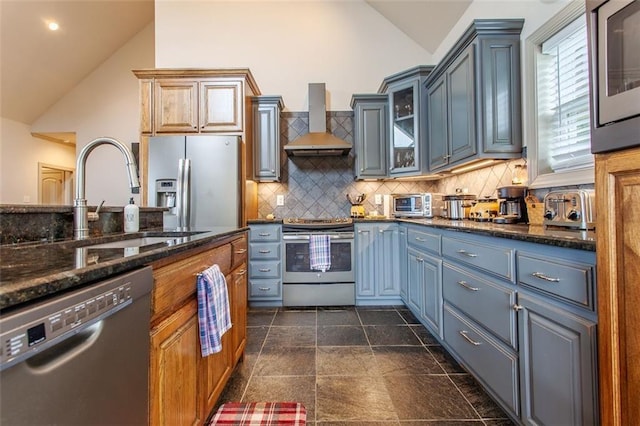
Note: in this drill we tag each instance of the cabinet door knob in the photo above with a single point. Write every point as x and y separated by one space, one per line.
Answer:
517 307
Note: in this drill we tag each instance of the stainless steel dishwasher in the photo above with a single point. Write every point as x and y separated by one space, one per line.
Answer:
79 358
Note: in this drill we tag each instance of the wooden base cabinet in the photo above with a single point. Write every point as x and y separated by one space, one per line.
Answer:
618 251
184 387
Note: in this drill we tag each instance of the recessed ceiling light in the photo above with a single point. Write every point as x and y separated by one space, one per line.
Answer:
53 26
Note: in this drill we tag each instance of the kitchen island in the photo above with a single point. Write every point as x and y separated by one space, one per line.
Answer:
37 271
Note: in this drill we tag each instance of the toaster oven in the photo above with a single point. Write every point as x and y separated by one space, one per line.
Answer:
570 209
427 204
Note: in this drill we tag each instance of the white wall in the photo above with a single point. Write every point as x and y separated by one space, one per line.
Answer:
287 44
20 154
105 103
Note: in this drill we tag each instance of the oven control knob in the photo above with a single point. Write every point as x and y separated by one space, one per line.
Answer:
573 215
549 214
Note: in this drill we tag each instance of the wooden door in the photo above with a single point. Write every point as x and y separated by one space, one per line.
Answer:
239 312
54 185
618 272
216 369
176 106
175 384
221 104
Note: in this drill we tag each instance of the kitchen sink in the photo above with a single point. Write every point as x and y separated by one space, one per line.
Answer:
134 242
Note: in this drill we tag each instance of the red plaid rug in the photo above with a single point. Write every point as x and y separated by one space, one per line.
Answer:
260 414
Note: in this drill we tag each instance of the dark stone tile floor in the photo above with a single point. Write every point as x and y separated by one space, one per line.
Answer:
357 366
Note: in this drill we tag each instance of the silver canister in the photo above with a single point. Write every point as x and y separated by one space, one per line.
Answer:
457 206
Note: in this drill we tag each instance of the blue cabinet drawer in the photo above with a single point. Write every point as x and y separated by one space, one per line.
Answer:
264 270
264 288
265 233
423 241
495 260
488 303
492 362
570 281
264 251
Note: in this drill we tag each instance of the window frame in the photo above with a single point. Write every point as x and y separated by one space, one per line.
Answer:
532 44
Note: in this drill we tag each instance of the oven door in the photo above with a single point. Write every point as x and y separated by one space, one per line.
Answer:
296 259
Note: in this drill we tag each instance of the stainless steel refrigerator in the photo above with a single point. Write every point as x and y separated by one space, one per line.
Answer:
198 178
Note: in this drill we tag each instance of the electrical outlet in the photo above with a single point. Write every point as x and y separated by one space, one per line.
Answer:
378 199
279 200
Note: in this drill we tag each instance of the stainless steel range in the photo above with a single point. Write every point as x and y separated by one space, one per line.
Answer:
302 286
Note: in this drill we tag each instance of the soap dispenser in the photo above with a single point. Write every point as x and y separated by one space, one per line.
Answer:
131 217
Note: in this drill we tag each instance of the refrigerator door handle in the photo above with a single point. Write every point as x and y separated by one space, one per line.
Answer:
183 199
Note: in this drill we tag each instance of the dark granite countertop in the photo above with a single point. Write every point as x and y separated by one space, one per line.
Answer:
559 237
30 271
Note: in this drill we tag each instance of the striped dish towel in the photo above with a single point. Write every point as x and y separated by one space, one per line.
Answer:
214 316
319 252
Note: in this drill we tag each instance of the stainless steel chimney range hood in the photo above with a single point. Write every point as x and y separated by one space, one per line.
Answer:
317 142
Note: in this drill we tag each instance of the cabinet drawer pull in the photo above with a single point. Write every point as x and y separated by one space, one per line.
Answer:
241 251
463 333
264 288
420 239
466 253
467 286
265 234
420 259
241 272
264 251
542 276
264 269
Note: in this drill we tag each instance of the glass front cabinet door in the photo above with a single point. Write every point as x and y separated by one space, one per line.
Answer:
407 153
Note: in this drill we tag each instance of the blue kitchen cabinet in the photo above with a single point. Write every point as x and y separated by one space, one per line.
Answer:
370 135
425 289
266 137
557 337
402 247
472 96
407 154
377 248
265 265
424 277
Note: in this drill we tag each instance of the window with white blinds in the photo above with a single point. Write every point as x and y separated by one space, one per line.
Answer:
562 86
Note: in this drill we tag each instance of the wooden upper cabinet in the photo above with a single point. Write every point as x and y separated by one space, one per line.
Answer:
176 106
221 106
184 101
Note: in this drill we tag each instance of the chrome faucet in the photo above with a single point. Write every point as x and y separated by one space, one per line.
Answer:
80 209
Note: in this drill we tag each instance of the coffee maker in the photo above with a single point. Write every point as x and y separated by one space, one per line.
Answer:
512 207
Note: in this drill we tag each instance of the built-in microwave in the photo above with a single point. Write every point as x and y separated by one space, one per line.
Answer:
614 37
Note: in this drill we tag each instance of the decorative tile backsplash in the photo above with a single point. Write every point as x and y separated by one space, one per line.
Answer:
316 187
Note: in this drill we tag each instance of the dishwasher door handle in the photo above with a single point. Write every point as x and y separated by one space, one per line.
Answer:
67 348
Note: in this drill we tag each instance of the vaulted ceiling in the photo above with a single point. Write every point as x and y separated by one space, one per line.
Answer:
38 67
